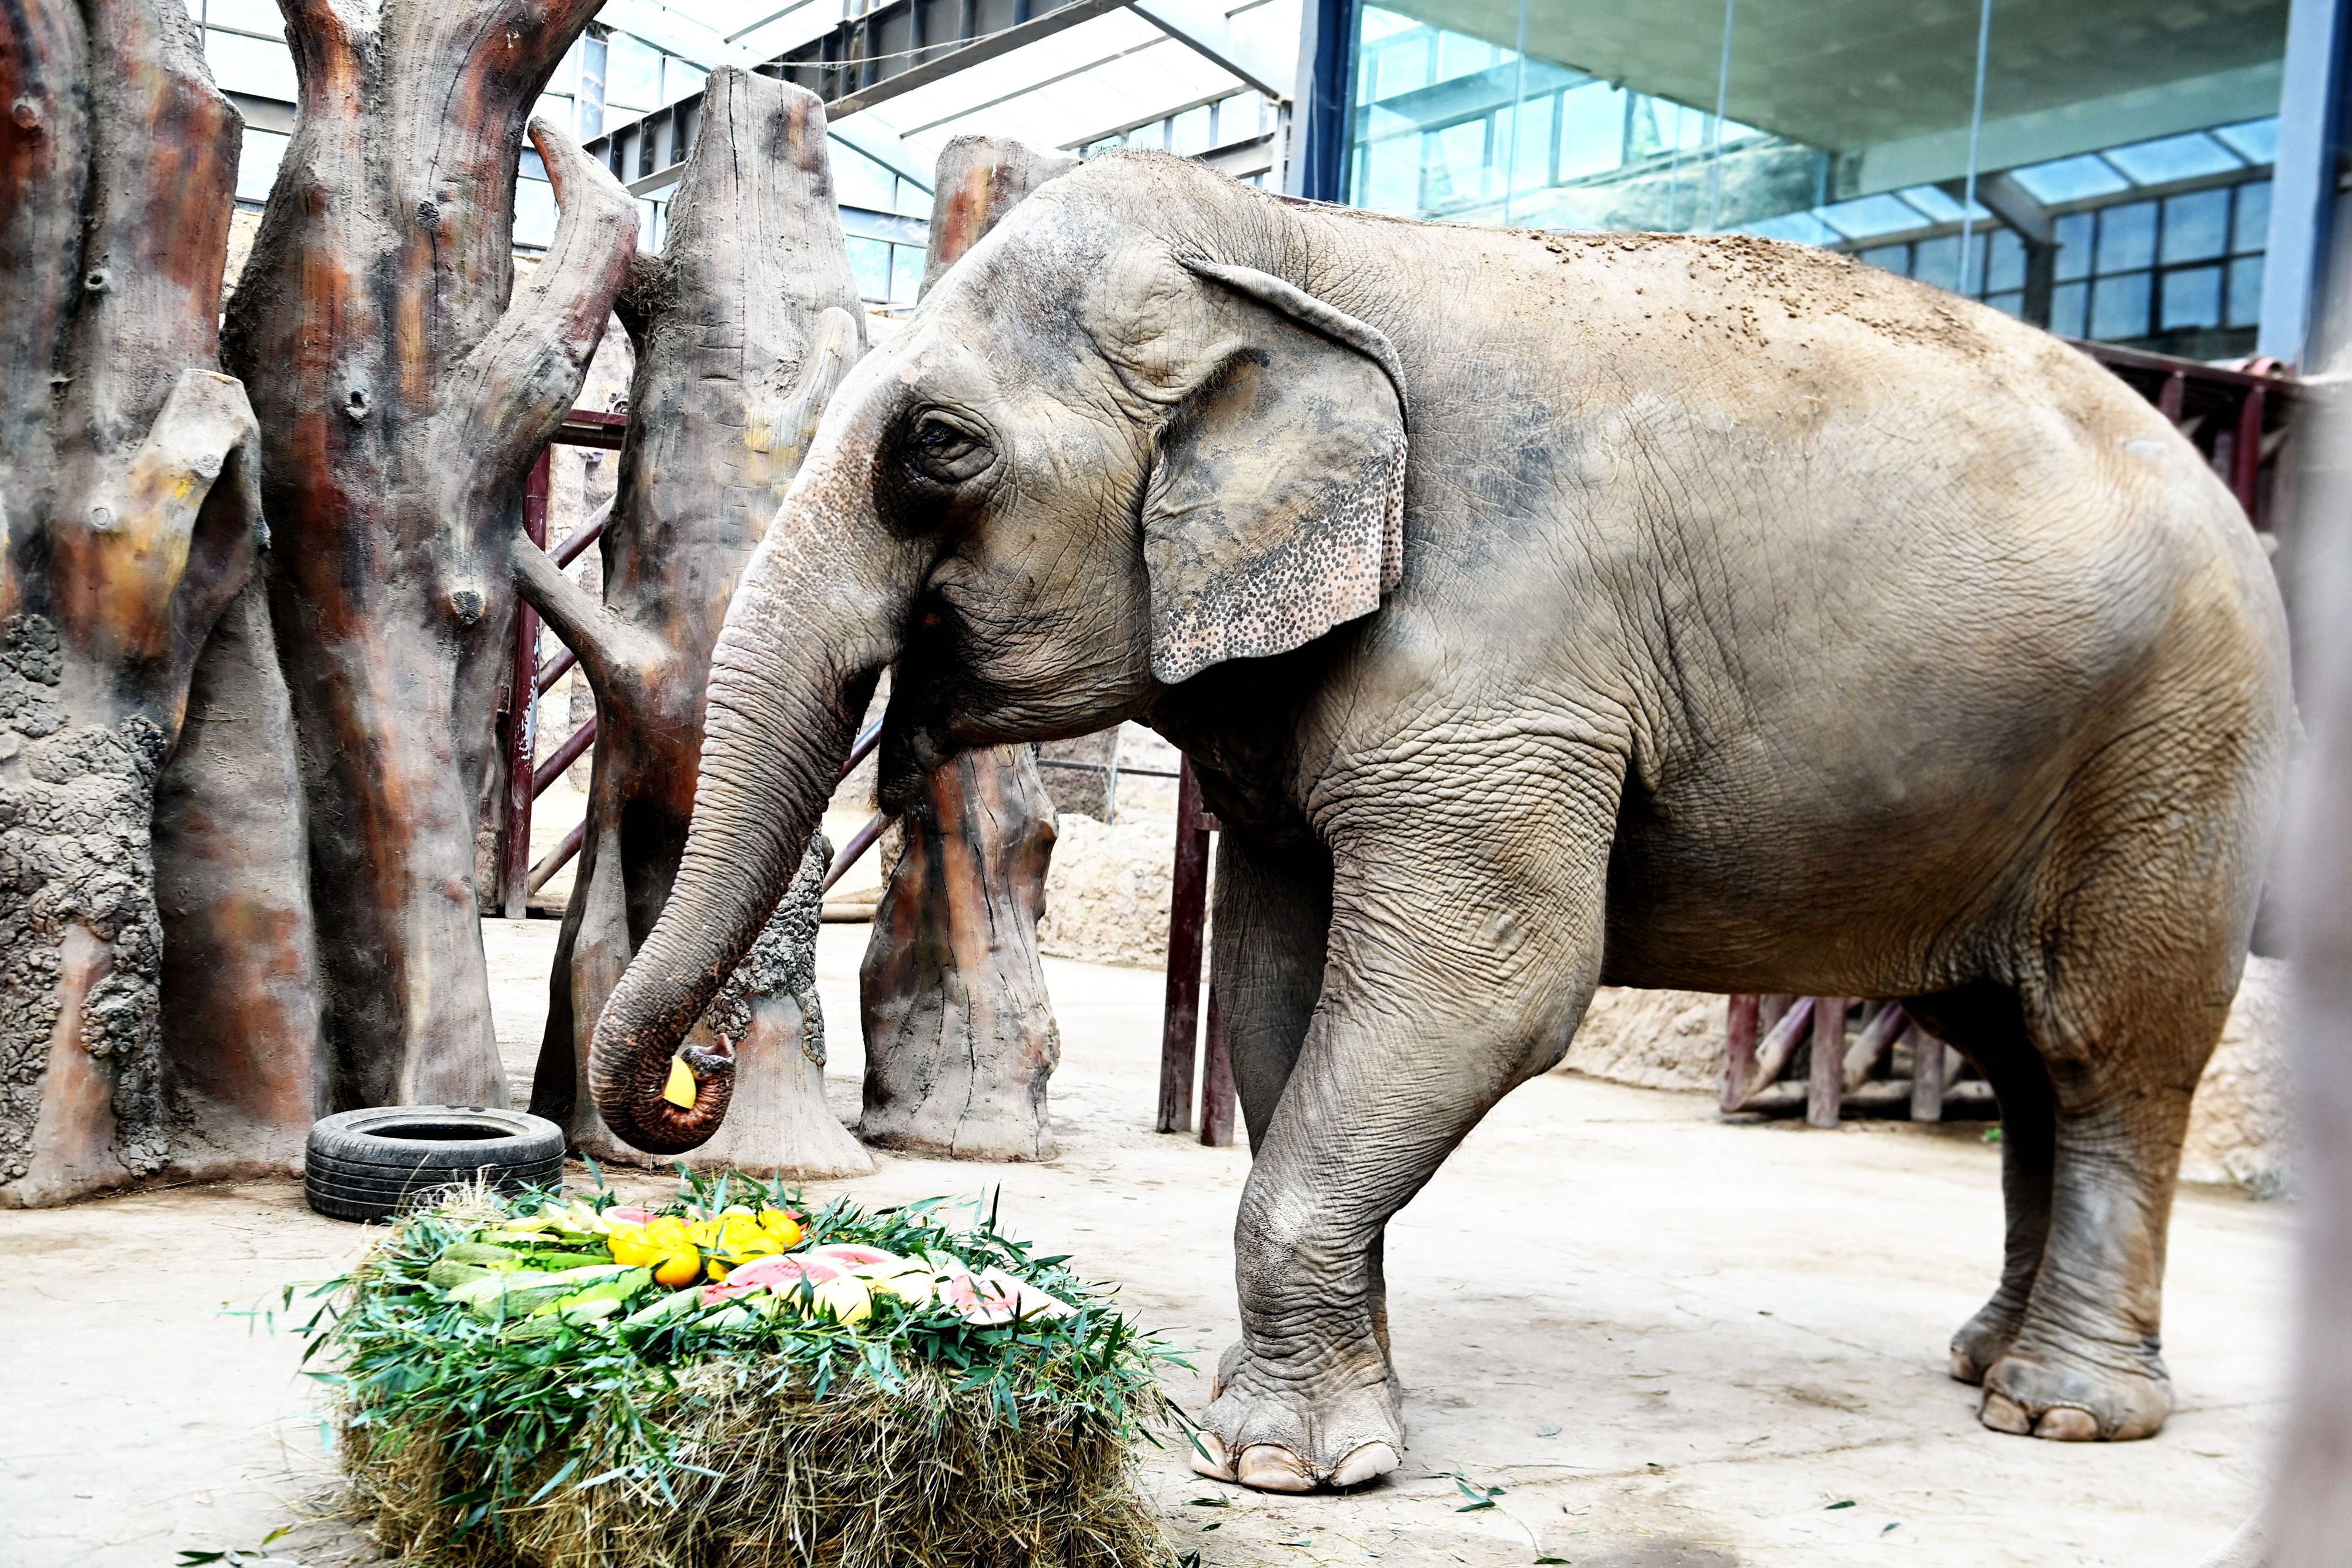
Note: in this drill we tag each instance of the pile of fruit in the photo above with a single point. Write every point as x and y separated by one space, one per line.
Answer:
527 1382
568 1264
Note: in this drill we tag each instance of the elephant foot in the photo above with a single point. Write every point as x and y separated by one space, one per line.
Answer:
2070 1401
1276 1433
1984 1339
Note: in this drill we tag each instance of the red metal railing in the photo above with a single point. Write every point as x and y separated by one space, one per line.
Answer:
526 778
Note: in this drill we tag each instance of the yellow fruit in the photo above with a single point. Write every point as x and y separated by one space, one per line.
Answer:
783 1227
715 1271
629 1244
678 1269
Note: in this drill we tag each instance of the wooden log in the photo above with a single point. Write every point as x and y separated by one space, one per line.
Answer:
1928 1064
129 520
1738 1049
742 326
405 385
960 1036
1878 1036
1773 1055
1825 1081
970 882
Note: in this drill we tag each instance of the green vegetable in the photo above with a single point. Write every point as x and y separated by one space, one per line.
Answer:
481 1255
618 1289
516 1294
447 1273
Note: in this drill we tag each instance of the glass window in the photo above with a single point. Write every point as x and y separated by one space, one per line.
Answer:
2191 298
534 222
2066 308
1938 261
2250 229
2196 226
246 16
870 260
2070 180
254 66
257 163
1854 126
1592 130
906 273
2004 261
2120 305
859 181
2256 141
1189 133
1531 161
2074 232
680 79
631 73
2174 158
2007 304
2246 292
2127 236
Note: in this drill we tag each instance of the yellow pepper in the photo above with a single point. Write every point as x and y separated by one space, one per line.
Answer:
632 1245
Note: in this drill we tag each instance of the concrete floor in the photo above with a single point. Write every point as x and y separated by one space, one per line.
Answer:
1671 1342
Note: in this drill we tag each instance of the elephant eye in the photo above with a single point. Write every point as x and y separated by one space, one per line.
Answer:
947 450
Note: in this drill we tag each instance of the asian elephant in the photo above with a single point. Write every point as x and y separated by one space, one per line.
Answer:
1542 611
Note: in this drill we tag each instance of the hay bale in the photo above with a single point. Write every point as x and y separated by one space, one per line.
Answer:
769 1474
712 1428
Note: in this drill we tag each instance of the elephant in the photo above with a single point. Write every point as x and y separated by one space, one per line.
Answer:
1540 611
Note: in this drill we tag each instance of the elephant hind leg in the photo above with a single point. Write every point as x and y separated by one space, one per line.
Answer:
1986 1023
2126 977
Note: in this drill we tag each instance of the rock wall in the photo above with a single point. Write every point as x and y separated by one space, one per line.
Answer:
1107 892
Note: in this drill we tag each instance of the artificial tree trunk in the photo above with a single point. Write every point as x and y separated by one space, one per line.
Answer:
960 1033
129 516
743 326
402 398
244 1058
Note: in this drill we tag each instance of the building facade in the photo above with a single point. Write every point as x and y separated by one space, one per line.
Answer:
2158 175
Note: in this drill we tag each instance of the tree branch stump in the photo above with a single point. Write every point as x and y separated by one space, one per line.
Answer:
129 517
403 394
743 326
960 1032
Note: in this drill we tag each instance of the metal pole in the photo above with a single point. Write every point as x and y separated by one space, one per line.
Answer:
1187 911
1217 1080
523 713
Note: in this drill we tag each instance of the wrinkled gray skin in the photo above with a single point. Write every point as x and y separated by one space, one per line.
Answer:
1764 623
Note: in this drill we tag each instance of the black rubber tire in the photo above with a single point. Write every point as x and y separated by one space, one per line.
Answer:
369 1164
392 1186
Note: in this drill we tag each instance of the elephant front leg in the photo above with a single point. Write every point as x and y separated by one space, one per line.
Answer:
1447 984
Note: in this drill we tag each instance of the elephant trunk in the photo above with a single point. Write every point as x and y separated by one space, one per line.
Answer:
793 669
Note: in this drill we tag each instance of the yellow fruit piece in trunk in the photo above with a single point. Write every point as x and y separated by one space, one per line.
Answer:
680 1090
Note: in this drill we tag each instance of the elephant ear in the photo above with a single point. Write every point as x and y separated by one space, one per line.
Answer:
1274 510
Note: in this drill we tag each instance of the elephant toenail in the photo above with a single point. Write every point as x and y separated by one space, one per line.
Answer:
1964 1370
1370 1460
1209 1457
2065 1424
1269 1467
2003 1413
